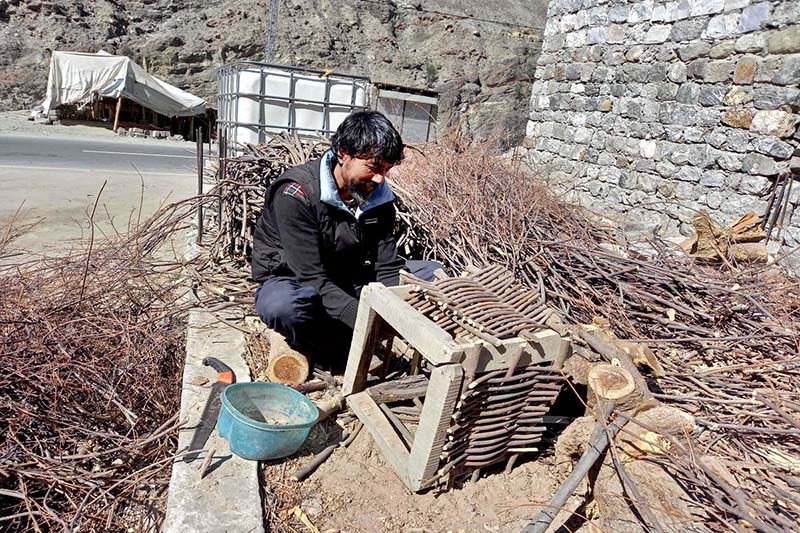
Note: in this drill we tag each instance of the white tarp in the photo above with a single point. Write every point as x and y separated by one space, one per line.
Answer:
74 76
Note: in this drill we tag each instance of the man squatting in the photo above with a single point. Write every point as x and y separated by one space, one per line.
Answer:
326 231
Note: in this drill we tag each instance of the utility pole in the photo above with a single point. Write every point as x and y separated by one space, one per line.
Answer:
272 24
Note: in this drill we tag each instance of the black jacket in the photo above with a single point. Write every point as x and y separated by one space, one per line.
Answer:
323 246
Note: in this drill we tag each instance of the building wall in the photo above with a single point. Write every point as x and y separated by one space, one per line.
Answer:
659 108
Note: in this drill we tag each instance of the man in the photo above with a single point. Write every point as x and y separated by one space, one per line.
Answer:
326 231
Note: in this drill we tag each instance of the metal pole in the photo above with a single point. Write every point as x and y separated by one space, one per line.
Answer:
200 185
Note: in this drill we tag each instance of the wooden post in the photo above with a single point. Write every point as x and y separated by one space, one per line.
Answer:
200 161
116 115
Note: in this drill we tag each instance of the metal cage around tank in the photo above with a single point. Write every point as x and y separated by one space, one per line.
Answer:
257 99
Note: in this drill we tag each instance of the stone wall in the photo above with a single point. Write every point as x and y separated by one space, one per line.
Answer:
656 109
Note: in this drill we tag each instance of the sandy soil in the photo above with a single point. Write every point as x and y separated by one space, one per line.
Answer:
356 490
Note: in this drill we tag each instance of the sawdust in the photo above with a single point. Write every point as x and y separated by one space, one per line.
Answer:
356 490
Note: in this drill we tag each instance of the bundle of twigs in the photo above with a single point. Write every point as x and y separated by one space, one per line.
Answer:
241 186
91 352
728 340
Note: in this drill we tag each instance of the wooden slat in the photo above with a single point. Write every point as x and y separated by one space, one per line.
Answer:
548 346
393 448
362 347
440 401
434 343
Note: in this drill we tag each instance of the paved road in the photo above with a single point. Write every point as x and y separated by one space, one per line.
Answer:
57 179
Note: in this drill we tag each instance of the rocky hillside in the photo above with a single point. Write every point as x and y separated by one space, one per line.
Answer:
480 59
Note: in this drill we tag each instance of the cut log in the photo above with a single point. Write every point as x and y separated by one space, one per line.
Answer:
285 365
610 382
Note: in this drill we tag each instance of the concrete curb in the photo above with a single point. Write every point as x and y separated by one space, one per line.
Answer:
227 499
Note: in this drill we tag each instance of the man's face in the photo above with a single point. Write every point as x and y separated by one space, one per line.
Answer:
359 176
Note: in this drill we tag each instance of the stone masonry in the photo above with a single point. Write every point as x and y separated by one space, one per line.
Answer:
655 109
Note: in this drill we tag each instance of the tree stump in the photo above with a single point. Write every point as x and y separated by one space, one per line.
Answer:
286 365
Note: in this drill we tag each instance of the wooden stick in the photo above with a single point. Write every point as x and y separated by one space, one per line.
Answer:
116 115
201 472
309 468
594 450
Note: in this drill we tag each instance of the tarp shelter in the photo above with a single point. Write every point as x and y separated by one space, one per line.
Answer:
75 76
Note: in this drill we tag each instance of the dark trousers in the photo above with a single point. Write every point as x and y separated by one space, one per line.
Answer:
297 313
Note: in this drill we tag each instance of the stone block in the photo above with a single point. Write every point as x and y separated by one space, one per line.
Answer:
752 43
773 147
688 93
687 30
679 155
696 68
659 13
618 13
712 95
648 183
648 148
737 118
730 162
733 180
775 122
721 50
737 96
784 13
745 71
770 66
715 138
757 164
658 33
772 97
753 184
706 7
576 38
615 34
684 190
640 11
606 159
714 199
738 141
717 71
667 189
754 17
627 180
665 169
605 105
789 72
678 10
596 34
786 41
722 26
713 179
583 135
666 91
677 72
731 5
702 155
693 51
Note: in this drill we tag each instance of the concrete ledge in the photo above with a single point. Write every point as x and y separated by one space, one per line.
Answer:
227 499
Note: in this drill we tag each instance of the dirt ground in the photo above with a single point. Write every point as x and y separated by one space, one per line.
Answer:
356 490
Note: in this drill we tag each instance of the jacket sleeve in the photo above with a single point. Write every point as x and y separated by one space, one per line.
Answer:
387 262
300 240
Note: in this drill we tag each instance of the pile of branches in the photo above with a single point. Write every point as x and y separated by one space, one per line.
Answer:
91 356
726 337
240 189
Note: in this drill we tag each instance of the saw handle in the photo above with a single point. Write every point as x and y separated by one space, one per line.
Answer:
224 372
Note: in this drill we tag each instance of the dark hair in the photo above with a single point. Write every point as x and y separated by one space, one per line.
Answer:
368 134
